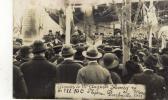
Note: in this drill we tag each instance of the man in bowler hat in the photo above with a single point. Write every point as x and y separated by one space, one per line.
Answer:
67 70
110 62
39 74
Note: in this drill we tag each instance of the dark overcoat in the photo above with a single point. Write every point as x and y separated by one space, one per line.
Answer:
19 85
67 71
155 84
40 76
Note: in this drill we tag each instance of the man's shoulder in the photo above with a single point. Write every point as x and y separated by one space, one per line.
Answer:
72 63
31 63
114 74
159 77
53 66
139 75
78 65
82 69
25 64
104 69
16 69
101 69
17 63
50 64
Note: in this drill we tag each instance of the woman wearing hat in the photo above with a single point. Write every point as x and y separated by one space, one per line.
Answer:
93 73
110 61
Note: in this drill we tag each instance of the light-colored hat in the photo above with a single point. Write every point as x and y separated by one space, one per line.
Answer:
92 53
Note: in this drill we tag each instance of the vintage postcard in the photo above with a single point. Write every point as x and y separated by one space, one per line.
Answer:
90 49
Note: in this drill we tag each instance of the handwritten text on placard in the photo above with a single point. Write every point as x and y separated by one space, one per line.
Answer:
97 91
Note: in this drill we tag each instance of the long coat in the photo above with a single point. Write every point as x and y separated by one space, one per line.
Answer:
115 77
164 73
67 71
19 85
40 76
155 84
93 73
21 61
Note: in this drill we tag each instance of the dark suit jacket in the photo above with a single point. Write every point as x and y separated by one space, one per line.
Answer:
40 76
115 77
18 63
155 84
67 71
19 85
164 73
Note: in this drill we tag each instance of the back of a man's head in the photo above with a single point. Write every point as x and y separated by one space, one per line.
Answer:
67 51
38 47
151 62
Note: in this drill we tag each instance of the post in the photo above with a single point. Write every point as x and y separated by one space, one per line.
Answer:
88 22
126 30
150 37
68 25
69 16
152 21
163 41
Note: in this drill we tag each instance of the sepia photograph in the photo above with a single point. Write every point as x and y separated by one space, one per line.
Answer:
90 49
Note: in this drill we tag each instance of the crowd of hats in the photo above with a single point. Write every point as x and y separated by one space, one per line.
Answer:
81 50
65 50
111 40
106 55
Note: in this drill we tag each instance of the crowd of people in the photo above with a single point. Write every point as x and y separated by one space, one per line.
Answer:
37 68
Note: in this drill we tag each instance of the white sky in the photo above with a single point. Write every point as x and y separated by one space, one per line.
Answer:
59 3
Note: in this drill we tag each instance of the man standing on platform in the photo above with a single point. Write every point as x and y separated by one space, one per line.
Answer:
68 69
93 73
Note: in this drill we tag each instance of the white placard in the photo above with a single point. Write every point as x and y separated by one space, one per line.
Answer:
100 91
